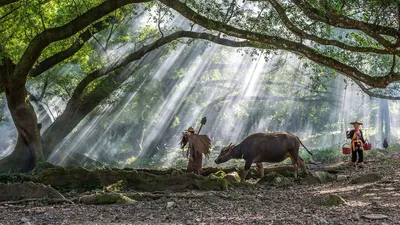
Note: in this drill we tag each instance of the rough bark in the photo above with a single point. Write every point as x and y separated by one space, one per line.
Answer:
28 150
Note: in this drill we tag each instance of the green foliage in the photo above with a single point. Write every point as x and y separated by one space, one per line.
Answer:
15 178
107 199
176 122
394 147
327 155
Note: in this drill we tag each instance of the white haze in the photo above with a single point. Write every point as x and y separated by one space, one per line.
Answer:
246 82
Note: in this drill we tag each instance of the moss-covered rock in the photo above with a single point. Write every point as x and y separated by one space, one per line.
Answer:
233 177
367 178
10 178
341 177
317 177
106 198
141 197
274 179
218 175
25 190
215 181
322 176
74 178
121 185
335 200
43 166
118 180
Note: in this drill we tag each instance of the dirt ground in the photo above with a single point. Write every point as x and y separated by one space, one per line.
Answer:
256 204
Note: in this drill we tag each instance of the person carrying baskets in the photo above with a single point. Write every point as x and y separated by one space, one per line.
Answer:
357 141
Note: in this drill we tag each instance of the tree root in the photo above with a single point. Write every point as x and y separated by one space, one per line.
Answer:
48 200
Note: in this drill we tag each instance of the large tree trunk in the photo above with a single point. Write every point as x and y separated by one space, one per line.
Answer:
79 106
60 128
76 110
28 150
385 119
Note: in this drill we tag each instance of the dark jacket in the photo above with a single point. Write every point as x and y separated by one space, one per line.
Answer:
351 133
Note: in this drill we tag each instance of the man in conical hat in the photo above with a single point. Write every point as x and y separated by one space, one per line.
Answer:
357 141
198 145
191 131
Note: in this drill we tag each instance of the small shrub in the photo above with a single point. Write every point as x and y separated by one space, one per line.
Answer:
324 155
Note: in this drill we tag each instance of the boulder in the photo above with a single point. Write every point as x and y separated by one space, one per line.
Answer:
274 179
106 198
335 200
341 177
367 178
18 191
233 177
318 177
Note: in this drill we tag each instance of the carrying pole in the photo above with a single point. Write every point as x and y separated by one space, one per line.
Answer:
202 122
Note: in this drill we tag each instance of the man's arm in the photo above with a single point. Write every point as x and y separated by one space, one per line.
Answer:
350 134
362 137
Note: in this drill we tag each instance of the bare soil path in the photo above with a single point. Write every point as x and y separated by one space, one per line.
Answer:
256 204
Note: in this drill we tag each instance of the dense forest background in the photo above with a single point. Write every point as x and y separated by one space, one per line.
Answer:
135 115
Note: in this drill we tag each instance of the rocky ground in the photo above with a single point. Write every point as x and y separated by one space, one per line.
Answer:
376 202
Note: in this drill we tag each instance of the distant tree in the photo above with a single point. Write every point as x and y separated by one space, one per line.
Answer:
359 39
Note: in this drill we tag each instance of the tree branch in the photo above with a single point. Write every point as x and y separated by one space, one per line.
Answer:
42 40
331 18
393 64
148 48
301 33
281 43
373 94
7 2
371 30
63 55
341 21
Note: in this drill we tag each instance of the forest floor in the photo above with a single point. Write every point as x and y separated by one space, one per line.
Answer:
252 204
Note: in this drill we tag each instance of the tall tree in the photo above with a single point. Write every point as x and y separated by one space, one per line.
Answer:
37 35
28 150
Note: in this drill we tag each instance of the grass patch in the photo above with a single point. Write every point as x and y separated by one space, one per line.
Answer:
324 155
394 147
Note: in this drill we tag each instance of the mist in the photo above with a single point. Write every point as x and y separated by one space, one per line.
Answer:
240 91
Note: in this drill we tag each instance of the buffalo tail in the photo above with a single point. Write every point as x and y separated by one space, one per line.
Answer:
304 146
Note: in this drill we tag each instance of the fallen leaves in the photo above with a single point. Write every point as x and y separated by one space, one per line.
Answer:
367 203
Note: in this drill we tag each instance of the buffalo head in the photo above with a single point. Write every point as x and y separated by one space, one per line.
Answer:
225 154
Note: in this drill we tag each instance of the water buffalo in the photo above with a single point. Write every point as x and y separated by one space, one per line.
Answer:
265 147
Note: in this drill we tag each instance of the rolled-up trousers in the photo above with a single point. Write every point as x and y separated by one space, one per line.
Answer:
360 154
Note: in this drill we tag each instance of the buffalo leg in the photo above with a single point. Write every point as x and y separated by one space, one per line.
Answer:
260 169
303 165
246 169
295 165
